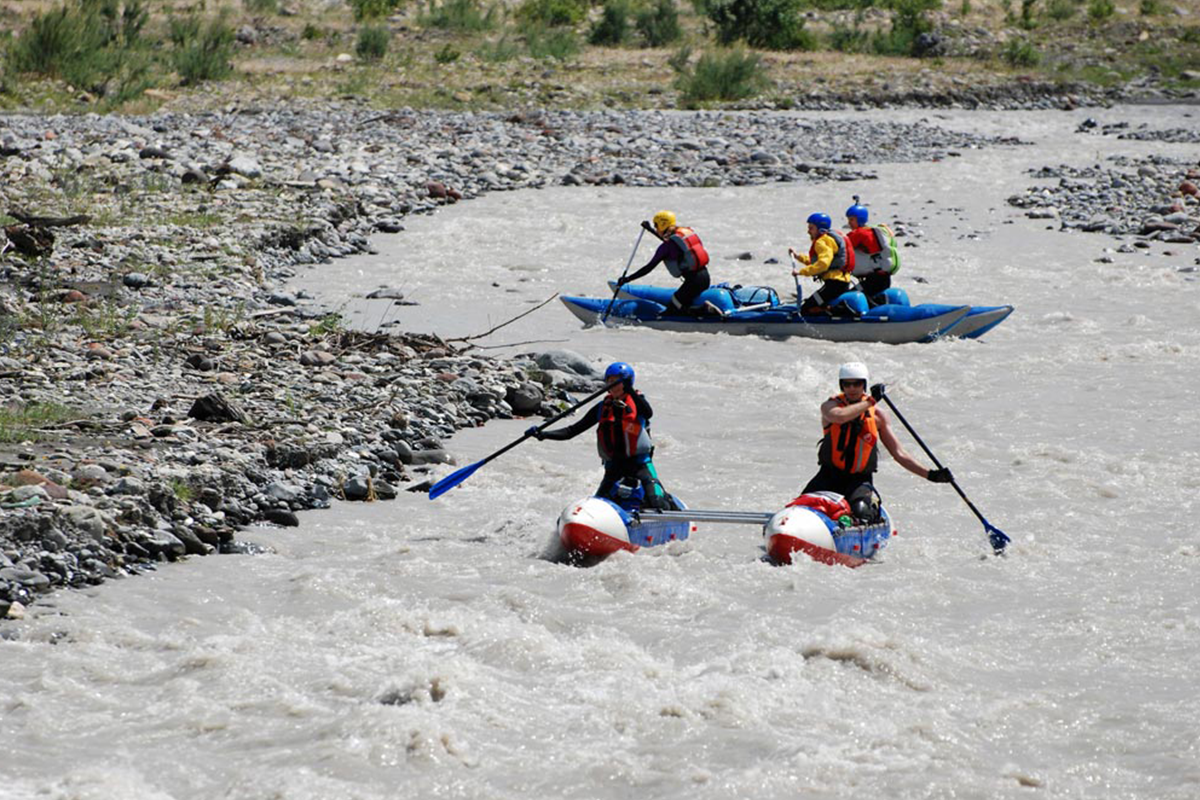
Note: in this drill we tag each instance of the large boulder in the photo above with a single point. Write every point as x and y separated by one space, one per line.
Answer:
566 361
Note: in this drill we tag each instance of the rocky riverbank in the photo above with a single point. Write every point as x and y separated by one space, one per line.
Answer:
160 389
1152 199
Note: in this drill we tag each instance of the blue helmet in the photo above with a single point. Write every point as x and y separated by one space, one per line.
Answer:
621 371
821 220
858 212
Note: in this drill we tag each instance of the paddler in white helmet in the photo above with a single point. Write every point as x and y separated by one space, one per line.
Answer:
853 429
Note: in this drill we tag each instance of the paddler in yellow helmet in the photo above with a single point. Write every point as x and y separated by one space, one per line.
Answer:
685 258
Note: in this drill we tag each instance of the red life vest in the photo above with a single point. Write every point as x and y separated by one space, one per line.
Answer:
878 244
695 257
843 259
621 433
831 504
851 447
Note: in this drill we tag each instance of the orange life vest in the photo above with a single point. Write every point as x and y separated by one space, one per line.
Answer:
622 433
851 447
695 257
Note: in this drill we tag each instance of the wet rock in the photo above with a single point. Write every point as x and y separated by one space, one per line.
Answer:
525 399
215 407
566 361
436 456
29 578
282 517
358 488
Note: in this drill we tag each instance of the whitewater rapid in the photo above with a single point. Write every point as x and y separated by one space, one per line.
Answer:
426 649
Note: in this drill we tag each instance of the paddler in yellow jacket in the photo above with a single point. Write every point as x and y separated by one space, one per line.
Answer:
829 259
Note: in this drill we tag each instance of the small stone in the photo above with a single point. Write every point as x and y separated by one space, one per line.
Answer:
317 358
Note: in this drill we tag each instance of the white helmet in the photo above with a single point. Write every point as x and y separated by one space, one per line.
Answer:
854 371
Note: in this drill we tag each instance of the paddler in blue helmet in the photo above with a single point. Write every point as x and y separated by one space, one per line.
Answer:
853 428
829 259
622 421
685 257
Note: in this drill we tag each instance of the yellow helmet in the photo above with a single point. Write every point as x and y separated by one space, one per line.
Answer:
664 220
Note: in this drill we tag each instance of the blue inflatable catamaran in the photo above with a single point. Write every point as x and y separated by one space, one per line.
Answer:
757 310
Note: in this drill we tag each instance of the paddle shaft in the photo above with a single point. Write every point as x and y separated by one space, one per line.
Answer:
550 421
934 459
628 264
458 476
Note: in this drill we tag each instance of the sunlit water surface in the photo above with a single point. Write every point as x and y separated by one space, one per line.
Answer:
424 649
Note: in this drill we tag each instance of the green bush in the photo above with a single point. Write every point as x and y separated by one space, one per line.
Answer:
447 54
461 15
373 9
203 48
1028 18
909 21
373 41
558 43
659 24
613 26
93 44
771 24
1151 8
849 40
1061 10
262 6
1100 10
310 33
1020 53
498 51
722 75
552 13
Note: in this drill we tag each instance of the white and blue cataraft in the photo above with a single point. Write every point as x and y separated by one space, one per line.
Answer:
817 526
596 527
756 310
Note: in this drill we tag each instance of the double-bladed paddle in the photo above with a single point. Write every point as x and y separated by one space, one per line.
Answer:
996 536
458 476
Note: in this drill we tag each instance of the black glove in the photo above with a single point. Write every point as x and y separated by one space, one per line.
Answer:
941 475
534 431
877 391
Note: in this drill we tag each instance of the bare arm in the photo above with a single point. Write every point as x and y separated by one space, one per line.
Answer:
831 412
888 437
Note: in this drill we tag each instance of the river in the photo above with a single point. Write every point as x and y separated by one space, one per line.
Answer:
426 649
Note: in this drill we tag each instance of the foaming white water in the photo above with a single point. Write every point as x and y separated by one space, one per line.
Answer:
417 649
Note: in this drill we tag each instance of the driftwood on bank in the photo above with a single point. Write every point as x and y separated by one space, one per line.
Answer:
34 221
32 237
